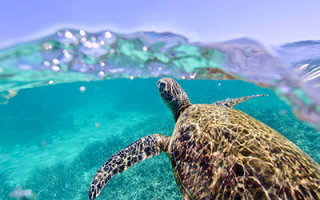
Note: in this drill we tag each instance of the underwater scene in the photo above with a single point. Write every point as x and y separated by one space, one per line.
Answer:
71 100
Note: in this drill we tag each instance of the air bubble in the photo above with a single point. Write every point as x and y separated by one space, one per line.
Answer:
101 73
82 88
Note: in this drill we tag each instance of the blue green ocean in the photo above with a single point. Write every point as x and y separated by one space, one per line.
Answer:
57 127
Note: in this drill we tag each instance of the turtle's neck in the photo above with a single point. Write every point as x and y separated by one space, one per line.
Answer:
180 110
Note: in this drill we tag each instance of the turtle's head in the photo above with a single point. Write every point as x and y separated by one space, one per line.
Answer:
173 96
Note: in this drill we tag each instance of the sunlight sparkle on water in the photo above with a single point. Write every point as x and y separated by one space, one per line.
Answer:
68 34
55 68
193 76
88 44
47 46
95 45
108 35
56 61
83 40
66 53
46 63
82 32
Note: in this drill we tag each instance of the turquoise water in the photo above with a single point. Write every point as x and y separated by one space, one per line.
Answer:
72 99
54 138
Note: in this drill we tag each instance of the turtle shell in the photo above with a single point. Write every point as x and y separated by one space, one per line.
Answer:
222 153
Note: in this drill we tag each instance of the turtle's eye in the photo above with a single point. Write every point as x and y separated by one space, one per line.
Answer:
162 86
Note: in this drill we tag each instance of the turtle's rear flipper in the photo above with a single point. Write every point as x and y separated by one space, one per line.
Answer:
232 102
140 150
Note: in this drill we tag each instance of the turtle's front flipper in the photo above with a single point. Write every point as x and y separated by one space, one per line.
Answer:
140 150
232 102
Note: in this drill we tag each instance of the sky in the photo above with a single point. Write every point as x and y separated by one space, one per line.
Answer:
269 21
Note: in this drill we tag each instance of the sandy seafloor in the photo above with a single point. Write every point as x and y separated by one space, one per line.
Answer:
54 138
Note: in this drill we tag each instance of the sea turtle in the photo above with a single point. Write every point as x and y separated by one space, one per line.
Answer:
218 152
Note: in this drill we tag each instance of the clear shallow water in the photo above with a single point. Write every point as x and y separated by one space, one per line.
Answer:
54 138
